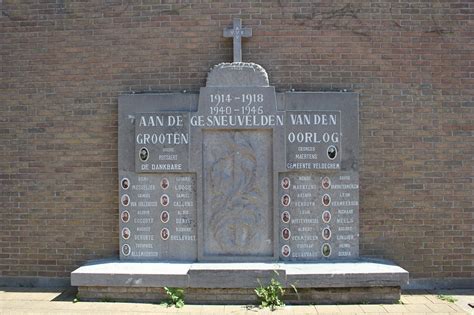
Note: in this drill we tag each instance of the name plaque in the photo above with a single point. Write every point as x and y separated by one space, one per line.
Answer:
317 215
158 215
312 140
162 142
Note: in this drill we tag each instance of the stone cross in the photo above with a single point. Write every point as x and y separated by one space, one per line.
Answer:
237 32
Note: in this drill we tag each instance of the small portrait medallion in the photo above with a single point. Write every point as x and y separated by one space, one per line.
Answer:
326 216
286 234
285 183
125 183
326 183
165 234
125 216
126 233
285 217
326 200
326 233
164 183
125 200
126 249
285 200
165 216
143 154
332 152
164 200
285 250
326 250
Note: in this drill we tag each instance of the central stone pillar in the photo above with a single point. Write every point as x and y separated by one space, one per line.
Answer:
237 163
237 193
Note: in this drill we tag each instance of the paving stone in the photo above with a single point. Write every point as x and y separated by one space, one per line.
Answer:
439 308
350 309
418 308
373 309
395 308
327 309
415 299
35 306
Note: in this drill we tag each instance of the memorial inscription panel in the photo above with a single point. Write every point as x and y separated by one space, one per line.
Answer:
238 173
312 139
317 215
158 216
162 142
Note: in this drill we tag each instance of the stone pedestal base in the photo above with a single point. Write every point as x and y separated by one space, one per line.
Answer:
359 281
244 296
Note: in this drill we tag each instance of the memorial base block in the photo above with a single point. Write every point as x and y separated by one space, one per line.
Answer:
244 296
357 281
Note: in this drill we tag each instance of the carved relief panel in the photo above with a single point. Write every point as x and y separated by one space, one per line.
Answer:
237 174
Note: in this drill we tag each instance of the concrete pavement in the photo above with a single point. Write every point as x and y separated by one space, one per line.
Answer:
61 301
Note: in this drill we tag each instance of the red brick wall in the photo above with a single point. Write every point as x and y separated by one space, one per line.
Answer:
64 63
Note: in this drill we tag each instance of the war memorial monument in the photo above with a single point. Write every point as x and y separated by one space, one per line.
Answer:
227 188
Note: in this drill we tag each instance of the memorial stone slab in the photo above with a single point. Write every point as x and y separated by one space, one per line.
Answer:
250 175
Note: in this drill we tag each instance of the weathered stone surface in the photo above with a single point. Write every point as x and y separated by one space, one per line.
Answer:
356 273
233 275
238 217
246 295
115 273
237 74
